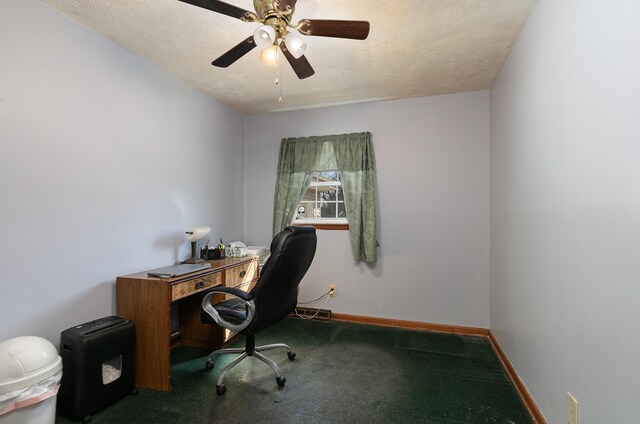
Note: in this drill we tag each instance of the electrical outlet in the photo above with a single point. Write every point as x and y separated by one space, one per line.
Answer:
332 290
572 409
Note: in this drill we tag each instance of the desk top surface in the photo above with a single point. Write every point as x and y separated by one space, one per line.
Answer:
216 265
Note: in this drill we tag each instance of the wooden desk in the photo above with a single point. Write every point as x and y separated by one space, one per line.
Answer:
147 302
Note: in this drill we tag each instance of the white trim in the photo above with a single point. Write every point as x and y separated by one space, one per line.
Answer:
320 221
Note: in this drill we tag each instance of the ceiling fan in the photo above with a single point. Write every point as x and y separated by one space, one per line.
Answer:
276 31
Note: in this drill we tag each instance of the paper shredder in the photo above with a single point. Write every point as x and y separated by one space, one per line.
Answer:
98 359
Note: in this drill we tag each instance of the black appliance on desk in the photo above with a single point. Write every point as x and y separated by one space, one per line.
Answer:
98 366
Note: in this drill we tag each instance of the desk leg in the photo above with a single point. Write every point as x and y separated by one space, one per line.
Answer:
147 305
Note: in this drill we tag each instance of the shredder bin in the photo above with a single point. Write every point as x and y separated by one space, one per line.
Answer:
99 363
30 373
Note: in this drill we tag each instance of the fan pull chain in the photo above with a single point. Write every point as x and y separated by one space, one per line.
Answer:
277 63
279 74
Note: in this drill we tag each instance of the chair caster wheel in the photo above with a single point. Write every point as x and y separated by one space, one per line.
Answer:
135 391
281 381
291 355
221 389
209 364
87 419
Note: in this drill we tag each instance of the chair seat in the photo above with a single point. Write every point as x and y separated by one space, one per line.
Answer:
232 310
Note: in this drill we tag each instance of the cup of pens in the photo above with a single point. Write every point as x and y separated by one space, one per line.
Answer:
211 253
221 249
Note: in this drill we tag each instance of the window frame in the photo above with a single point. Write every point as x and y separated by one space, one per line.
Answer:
324 223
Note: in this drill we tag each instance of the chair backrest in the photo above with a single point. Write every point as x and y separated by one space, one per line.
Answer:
276 292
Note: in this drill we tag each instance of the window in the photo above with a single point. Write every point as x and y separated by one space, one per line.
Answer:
322 204
344 173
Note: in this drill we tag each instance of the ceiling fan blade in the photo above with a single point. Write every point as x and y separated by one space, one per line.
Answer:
356 30
235 53
300 66
221 7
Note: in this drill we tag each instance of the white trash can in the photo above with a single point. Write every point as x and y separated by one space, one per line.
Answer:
30 373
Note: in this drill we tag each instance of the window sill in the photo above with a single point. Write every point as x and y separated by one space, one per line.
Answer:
324 226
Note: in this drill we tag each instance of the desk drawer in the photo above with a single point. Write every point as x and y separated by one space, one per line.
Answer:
201 283
240 276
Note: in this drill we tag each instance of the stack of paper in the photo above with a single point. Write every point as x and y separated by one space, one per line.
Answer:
257 250
261 251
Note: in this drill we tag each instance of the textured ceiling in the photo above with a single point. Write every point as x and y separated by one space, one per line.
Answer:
415 48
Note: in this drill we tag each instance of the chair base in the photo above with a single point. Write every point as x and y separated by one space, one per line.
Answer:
250 349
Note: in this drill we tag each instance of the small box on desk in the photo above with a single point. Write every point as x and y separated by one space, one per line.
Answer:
98 366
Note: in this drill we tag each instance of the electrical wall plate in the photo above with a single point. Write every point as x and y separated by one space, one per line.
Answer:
572 409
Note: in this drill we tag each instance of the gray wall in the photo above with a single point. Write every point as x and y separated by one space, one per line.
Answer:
432 172
104 162
565 208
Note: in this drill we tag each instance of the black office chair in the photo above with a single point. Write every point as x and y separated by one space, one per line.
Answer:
274 296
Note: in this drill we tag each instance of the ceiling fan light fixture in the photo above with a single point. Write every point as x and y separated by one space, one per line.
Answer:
269 55
264 36
295 44
275 18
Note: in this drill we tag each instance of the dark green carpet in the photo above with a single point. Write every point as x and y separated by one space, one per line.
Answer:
343 373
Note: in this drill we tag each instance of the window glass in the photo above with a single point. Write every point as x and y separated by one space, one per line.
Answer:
323 202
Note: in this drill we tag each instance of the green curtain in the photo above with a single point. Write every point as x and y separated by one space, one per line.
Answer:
352 155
